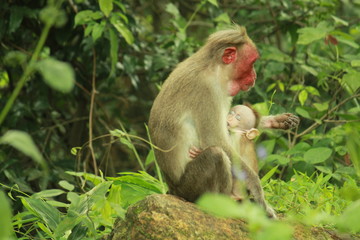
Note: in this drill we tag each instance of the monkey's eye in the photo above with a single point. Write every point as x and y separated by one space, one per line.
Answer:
238 117
232 112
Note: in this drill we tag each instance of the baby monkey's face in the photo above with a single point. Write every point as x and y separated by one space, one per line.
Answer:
241 117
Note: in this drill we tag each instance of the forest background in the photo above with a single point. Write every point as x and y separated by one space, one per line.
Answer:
78 78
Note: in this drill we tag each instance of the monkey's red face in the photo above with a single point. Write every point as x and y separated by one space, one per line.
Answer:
244 75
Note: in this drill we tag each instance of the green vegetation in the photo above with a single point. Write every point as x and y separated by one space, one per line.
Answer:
77 80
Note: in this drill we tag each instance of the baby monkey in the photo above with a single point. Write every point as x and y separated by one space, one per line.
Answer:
242 123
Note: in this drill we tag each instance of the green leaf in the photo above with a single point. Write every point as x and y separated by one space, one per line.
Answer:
106 6
127 143
96 180
352 80
301 147
142 179
58 75
213 2
5 219
78 232
302 112
66 185
297 87
324 169
278 159
4 79
16 17
86 16
224 17
48 193
309 70
57 204
321 106
23 142
97 31
268 175
150 158
172 9
15 58
340 21
47 213
53 16
312 90
273 53
317 155
348 42
309 34
303 95
122 29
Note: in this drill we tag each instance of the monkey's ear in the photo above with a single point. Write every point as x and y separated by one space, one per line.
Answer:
252 133
229 55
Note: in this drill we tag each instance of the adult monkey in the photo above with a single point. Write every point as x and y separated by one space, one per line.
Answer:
199 91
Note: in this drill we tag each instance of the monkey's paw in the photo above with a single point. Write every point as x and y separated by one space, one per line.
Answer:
281 121
271 212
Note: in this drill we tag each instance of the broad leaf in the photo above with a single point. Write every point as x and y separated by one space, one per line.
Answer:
317 155
303 112
122 29
309 34
87 16
58 75
23 142
310 70
106 6
97 31
321 106
303 95
213 2
352 80
66 185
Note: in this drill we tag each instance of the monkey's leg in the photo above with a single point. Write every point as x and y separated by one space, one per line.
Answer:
254 185
210 171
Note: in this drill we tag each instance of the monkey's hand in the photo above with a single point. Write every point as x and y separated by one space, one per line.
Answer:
194 151
281 121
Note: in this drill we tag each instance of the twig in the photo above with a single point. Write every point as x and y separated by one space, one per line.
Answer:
341 121
316 124
93 92
274 17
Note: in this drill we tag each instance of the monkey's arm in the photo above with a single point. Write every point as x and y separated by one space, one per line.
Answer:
281 121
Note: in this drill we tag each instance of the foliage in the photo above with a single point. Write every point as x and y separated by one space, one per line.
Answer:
74 71
82 215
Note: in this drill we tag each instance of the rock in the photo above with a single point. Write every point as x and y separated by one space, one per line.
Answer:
160 217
